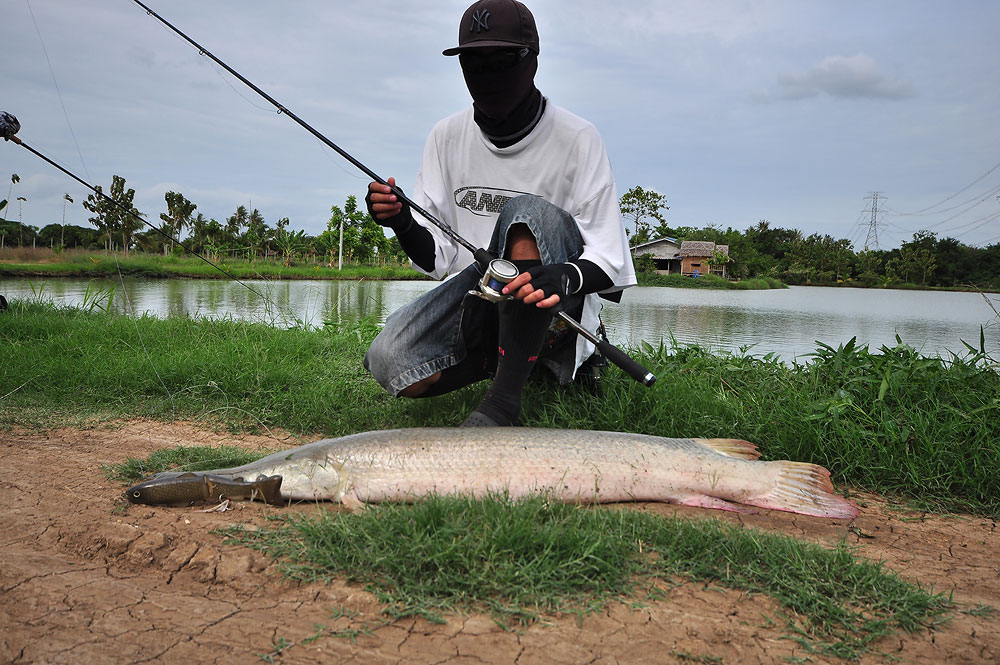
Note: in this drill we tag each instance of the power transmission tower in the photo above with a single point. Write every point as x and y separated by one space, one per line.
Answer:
872 239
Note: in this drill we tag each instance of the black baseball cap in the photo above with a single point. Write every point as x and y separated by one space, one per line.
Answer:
493 23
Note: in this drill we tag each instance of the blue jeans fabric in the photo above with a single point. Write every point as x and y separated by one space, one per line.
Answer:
434 332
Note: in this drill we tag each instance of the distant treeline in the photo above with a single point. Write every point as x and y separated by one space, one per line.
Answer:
794 258
760 251
351 234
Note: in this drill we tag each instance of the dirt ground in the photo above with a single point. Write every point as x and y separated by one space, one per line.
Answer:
85 579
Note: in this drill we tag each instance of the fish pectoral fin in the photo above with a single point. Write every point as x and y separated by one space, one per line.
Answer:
705 501
353 503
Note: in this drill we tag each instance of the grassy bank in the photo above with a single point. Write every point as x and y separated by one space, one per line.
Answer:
708 282
43 262
90 264
888 420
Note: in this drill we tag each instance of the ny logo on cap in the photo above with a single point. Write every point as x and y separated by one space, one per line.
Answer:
480 21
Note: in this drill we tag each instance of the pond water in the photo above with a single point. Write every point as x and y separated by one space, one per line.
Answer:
787 322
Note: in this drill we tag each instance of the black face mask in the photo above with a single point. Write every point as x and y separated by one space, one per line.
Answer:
503 91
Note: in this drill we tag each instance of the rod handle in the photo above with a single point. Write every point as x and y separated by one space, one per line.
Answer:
482 257
624 361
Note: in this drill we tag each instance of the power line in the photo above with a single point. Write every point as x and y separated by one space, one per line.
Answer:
978 198
945 200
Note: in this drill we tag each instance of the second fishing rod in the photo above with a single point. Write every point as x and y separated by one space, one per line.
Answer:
500 267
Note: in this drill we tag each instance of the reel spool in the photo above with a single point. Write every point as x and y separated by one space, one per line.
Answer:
9 126
499 273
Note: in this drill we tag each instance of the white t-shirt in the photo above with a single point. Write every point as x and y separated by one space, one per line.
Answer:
464 181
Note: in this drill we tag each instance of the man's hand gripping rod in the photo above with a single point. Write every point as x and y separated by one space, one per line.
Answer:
482 257
501 271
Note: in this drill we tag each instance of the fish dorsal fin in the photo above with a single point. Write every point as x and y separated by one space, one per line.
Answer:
187 474
737 448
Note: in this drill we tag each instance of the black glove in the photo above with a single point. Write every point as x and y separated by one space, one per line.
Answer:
400 222
563 279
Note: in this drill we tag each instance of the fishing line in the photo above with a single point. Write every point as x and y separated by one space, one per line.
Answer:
482 257
58 91
131 212
83 162
142 342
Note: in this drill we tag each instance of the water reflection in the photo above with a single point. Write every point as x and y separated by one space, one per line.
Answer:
785 322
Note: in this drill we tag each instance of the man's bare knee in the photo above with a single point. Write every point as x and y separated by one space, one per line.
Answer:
521 244
420 387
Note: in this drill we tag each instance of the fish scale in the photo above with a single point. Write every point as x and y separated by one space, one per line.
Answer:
579 466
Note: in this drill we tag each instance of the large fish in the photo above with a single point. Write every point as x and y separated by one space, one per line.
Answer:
576 466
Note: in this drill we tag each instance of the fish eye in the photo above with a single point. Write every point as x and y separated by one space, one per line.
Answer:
137 494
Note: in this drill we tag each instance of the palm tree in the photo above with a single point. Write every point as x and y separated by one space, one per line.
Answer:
178 216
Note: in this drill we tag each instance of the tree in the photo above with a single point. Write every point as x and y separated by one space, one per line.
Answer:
234 226
257 233
116 216
289 242
360 242
177 216
718 259
328 241
639 205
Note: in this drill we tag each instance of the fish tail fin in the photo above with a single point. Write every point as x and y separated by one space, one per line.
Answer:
737 448
806 489
270 489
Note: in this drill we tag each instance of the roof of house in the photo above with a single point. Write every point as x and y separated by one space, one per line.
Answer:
702 248
658 241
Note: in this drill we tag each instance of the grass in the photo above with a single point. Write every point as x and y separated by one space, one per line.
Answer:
27 262
180 458
708 282
889 421
524 560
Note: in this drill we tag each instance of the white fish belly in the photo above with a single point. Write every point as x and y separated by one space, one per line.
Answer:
566 465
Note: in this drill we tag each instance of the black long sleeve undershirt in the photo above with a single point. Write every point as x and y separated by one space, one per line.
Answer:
594 279
416 241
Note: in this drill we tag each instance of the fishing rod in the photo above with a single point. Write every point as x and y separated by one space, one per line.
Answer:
9 126
481 255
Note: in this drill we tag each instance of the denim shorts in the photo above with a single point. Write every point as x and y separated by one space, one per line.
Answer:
437 330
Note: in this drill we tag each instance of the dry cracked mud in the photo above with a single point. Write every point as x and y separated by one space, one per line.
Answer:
85 579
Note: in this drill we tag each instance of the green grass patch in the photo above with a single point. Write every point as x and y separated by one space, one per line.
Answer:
523 560
84 264
708 282
180 458
890 421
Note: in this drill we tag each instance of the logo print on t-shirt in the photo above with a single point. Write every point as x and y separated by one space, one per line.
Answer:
484 201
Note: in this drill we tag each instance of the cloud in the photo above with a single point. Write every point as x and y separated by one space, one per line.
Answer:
844 77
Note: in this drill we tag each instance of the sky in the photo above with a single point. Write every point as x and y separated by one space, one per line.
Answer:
789 111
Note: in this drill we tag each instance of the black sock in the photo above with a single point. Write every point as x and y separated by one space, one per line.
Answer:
522 333
474 368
